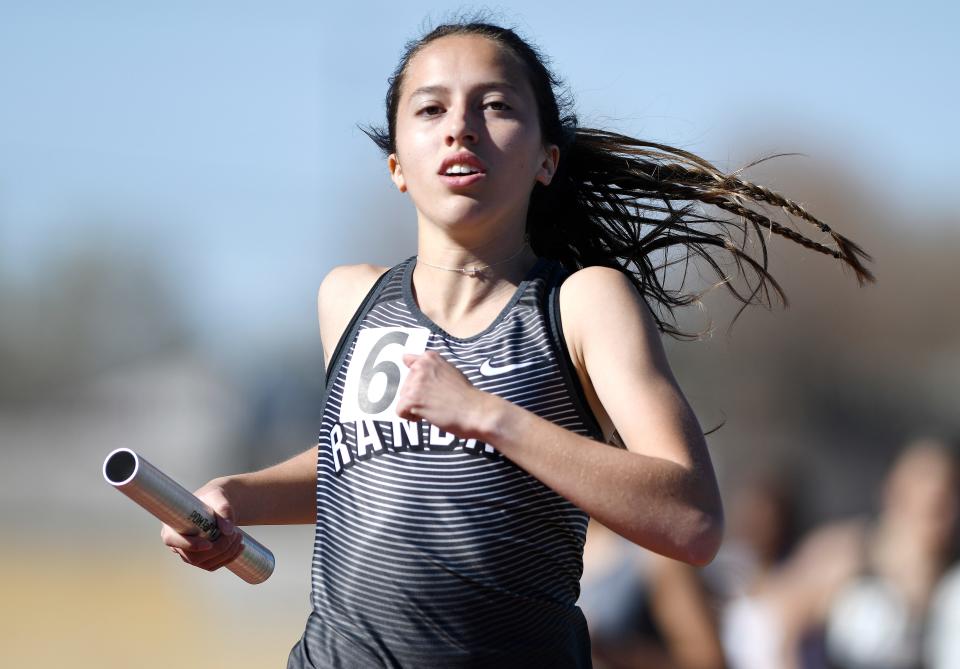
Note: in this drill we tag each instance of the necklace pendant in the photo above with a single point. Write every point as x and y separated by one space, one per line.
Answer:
471 271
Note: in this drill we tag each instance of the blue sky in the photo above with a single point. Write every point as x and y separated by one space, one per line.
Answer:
220 138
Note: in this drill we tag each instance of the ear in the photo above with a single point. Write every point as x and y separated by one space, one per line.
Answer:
548 166
396 173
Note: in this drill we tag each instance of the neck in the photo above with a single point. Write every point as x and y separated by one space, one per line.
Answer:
450 295
497 246
437 247
476 268
457 238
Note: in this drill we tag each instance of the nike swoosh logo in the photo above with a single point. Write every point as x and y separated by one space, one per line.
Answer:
486 369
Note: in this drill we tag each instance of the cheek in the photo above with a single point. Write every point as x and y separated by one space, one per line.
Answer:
408 142
529 153
521 152
416 156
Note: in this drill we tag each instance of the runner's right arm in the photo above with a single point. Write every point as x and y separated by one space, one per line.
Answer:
285 493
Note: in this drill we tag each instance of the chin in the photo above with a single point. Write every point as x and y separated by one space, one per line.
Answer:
464 216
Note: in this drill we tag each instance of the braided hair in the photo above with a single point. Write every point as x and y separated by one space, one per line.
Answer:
637 206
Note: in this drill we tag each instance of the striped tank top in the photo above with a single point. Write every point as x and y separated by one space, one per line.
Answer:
432 550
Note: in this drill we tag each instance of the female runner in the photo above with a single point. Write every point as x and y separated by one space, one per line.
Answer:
473 390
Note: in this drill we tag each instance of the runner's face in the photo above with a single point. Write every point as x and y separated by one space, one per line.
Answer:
466 94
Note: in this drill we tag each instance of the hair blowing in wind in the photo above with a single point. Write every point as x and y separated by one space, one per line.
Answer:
641 207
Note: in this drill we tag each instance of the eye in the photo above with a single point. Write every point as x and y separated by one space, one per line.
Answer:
497 105
429 109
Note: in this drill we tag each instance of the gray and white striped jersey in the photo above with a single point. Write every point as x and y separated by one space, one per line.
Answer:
432 550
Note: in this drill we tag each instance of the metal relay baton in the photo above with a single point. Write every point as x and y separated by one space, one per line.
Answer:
174 505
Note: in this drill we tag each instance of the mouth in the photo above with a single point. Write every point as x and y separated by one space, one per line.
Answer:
462 169
460 180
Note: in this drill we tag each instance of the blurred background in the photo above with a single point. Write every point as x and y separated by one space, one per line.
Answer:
176 178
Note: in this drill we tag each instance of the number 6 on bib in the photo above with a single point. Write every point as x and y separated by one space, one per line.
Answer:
371 387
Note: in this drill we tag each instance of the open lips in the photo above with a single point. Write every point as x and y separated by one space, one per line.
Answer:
462 169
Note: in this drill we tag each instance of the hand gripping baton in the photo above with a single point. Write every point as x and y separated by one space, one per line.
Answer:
174 505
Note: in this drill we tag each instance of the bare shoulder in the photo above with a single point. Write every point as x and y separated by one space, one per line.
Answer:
339 297
609 332
350 278
598 287
602 300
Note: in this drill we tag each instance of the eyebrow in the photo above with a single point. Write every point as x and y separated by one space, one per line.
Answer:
431 90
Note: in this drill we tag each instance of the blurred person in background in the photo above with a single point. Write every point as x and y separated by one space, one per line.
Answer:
879 614
645 610
753 621
450 519
942 639
857 593
648 611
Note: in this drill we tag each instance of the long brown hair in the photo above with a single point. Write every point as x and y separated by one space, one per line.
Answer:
638 206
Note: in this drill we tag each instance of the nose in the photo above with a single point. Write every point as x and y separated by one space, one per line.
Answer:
461 126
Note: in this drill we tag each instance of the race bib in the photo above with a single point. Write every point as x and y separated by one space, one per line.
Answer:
376 371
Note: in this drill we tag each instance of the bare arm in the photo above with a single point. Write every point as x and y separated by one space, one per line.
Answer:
283 494
279 495
661 493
